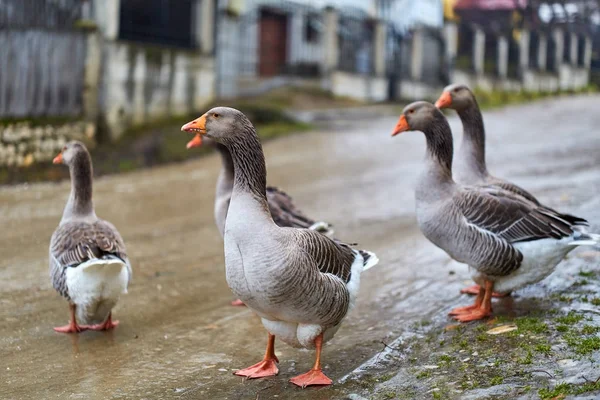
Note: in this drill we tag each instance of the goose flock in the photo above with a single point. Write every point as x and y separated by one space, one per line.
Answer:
286 267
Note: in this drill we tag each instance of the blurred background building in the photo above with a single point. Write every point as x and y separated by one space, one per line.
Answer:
104 66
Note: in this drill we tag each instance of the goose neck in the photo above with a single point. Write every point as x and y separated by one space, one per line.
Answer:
80 200
472 150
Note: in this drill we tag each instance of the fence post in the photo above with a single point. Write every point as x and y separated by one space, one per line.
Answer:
416 55
542 52
379 47
502 57
524 51
587 52
91 76
573 48
451 45
204 29
559 48
478 50
331 45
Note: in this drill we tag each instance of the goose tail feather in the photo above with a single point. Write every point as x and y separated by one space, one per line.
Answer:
586 239
369 259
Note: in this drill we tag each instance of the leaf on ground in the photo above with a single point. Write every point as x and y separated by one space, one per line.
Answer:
502 329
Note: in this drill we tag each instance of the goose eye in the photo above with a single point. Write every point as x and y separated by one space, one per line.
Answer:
411 111
216 115
456 90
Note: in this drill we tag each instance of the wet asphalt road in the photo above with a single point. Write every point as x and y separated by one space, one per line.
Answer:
179 338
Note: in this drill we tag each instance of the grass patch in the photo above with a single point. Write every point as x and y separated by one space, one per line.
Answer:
565 389
531 324
570 319
595 301
496 380
583 346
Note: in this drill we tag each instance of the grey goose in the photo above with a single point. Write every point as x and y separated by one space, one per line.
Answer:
283 210
507 241
299 282
88 259
470 167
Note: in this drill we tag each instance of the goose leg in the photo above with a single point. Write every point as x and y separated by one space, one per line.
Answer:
237 303
315 376
267 367
474 290
106 325
72 327
484 310
474 306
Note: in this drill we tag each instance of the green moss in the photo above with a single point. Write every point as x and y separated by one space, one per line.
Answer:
562 328
583 346
581 282
446 358
496 380
558 390
531 324
595 301
527 360
424 374
564 389
590 329
570 319
543 348
587 274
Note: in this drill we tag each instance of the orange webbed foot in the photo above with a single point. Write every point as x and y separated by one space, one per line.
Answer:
312 377
105 326
261 369
71 328
463 310
473 315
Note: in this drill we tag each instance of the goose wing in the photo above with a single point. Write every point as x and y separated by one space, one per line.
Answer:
76 242
284 211
495 219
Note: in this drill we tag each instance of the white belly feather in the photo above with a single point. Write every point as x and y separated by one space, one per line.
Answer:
95 287
540 258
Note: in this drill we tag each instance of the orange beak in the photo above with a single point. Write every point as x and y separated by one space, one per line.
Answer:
58 159
444 101
199 127
401 126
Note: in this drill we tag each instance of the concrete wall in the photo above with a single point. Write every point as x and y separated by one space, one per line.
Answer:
137 83
142 84
359 87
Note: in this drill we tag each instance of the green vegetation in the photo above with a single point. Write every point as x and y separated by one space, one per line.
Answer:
570 319
491 99
563 389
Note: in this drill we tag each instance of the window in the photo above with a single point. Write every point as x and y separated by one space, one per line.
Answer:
312 28
163 22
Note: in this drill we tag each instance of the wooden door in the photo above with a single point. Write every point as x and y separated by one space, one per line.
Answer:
272 44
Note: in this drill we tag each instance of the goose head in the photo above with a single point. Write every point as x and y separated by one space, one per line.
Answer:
221 124
69 153
456 97
416 116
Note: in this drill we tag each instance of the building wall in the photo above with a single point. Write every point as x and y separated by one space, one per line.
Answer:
141 84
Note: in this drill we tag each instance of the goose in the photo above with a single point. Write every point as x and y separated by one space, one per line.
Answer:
299 282
88 259
283 210
470 167
507 241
